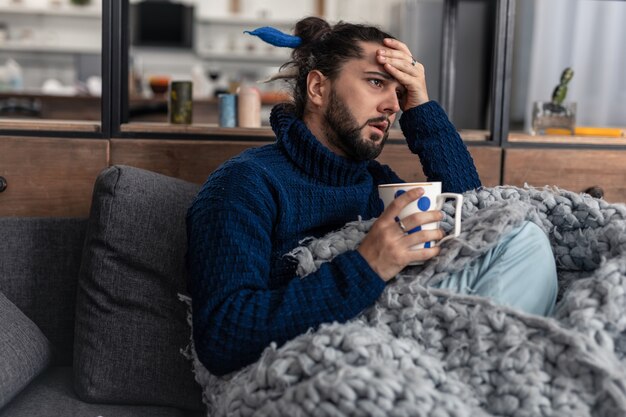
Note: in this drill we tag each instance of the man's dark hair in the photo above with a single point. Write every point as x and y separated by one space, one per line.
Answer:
326 48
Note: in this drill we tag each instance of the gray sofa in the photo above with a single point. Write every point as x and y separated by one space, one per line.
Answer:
90 319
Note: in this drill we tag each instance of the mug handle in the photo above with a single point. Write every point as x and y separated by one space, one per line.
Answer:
457 214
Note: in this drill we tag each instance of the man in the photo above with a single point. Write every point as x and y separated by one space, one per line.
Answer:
350 83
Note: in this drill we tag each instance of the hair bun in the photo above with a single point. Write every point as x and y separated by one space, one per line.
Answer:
311 29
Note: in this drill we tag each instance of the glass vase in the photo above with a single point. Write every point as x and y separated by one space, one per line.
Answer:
553 118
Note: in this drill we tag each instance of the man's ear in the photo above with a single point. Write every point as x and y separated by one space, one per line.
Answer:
316 87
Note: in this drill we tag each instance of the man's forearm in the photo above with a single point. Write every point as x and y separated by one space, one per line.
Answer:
443 155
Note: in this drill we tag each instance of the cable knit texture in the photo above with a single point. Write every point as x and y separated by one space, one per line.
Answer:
261 204
422 351
435 154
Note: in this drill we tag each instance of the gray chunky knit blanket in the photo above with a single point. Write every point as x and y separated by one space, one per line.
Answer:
421 351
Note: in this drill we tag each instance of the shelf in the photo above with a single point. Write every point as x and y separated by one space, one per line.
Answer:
91 13
518 137
252 22
198 129
55 49
247 58
466 135
261 132
49 125
469 135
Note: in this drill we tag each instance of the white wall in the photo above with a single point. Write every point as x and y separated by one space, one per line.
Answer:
48 28
220 33
51 39
585 35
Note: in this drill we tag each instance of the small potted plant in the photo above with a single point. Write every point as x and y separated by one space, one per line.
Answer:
555 116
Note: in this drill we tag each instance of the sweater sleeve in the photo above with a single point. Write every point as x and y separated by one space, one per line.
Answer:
443 154
238 308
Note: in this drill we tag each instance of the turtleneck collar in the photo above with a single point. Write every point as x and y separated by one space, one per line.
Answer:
309 154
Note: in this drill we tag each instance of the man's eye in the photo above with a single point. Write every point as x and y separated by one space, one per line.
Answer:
376 82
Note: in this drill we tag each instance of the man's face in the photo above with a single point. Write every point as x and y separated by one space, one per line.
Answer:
361 106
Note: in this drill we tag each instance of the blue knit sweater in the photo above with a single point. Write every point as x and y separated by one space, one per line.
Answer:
257 207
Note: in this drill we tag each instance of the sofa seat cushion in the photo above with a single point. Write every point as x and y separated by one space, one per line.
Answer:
24 350
51 394
130 323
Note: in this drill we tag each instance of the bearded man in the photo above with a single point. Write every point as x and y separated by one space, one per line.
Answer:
350 82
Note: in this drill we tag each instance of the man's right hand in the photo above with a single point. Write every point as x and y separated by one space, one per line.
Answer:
387 249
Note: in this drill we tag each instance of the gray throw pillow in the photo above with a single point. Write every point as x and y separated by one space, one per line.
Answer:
39 263
130 325
24 350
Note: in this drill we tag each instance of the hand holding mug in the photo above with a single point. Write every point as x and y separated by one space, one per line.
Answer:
431 199
388 249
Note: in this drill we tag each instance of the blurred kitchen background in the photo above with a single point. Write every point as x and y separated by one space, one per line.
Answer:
50 53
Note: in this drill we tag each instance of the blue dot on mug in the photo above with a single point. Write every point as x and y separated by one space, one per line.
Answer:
423 203
415 229
398 193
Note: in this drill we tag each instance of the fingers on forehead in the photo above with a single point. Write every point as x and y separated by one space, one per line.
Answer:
398 44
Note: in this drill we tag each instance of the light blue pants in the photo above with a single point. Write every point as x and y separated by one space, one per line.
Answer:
518 272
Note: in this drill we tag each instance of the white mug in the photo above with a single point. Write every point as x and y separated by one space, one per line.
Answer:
432 199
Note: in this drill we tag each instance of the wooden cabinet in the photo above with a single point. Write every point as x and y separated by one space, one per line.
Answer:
186 159
571 169
50 177
486 158
195 160
54 176
488 161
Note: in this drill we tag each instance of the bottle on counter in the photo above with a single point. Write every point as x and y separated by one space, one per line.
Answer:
180 103
248 106
11 76
202 86
227 106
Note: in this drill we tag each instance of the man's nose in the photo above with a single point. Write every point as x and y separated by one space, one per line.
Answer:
391 104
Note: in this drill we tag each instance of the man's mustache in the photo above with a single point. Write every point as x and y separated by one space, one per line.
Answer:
378 120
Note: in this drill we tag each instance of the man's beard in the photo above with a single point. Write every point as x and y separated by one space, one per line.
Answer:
343 131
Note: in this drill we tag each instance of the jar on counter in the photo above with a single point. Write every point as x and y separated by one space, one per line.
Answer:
248 106
180 104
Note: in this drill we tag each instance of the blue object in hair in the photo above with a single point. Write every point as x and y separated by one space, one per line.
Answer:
276 37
